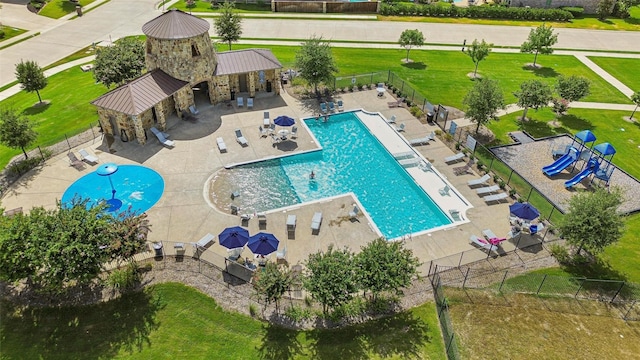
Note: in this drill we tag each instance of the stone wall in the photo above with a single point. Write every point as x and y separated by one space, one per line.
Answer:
183 98
589 6
122 121
176 58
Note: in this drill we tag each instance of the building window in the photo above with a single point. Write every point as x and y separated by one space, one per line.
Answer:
194 51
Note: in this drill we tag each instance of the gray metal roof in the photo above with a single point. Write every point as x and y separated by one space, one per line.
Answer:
175 24
140 94
242 61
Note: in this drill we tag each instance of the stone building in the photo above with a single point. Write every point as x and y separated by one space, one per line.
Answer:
180 60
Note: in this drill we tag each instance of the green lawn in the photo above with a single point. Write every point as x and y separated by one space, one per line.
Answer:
173 321
10 32
205 6
625 70
56 9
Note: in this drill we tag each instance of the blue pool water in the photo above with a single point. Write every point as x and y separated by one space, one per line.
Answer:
138 187
352 160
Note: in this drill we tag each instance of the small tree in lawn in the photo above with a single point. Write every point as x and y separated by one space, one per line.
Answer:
533 94
411 38
272 283
592 221
31 77
636 100
385 266
330 277
117 64
604 9
540 41
16 131
315 62
478 51
228 25
573 88
483 102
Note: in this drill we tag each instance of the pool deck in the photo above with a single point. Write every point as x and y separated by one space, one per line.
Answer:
183 213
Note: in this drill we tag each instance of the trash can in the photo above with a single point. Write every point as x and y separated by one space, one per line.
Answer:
79 10
233 95
430 117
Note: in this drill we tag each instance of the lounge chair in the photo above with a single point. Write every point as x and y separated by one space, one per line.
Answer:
275 139
263 131
420 141
489 234
272 128
205 242
454 158
487 190
234 210
496 197
463 169
445 191
400 128
221 145
354 213
340 106
262 220
323 108
332 106
316 221
483 244
74 161
294 132
249 103
397 103
380 89
193 110
392 119
88 158
479 181
241 139
425 166
162 137
266 120
455 215
240 101
432 136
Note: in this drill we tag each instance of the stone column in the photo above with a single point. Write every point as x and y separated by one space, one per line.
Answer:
138 129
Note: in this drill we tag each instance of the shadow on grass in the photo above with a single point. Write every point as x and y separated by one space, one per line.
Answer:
536 128
415 65
545 72
279 343
37 108
576 123
86 332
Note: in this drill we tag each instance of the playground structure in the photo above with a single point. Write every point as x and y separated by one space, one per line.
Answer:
596 160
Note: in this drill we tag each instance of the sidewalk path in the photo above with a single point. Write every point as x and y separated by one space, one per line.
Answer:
605 75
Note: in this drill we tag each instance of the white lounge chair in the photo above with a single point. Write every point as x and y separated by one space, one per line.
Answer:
455 215
263 131
88 158
205 242
240 138
332 106
354 213
294 132
281 255
193 110
249 103
487 190
445 191
392 119
240 101
291 222
419 141
400 128
380 89
162 137
316 221
479 181
432 136
496 197
323 107
489 234
266 119
483 244
221 145
454 158
340 106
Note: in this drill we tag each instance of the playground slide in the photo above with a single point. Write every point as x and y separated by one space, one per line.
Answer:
562 163
592 166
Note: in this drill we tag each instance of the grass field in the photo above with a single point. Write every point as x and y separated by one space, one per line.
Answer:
205 6
10 32
491 326
56 9
625 70
173 321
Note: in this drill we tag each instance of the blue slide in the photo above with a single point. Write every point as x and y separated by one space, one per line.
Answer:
562 163
592 166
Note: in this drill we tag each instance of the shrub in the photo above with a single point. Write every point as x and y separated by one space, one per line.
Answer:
561 253
576 11
125 278
297 313
308 301
415 111
496 178
480 166
253 310
21 167
2 34
458 145
512 192
478 12
502 184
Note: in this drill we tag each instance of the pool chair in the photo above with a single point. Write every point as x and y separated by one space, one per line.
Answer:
395 104
323 108
262 220
419 141
74 161
240 138
294 132
400 128
496 197
240 101
162 137
316 221
263 131
445 191
88 158
205 242
193 110
479 181
392 119
487 190
221 145
455 215
483 244
380 89
354 213
454 158
250 103
272 128
266 119
332 106
489 234
463 169
340 106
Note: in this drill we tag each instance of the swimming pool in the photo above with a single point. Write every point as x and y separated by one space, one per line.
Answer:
138 187
352 160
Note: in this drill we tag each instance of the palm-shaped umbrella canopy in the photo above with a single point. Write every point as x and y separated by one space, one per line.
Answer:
263 243
234 237
524 211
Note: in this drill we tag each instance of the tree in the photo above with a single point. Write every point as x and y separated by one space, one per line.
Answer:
478 52
68 245
410 38
636 100
533 94
228 25
572 88
117 64
604 9
483 101
540 41
16 131
592 221
330 277
272 283
385 266
31 77
315 62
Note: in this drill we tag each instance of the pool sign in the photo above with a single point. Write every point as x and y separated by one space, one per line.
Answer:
261 76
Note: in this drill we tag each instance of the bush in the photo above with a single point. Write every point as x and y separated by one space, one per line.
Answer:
478 12
2 34
21 167
415 111
496 178
502 184
561 253
576 11
512 192
253 310
297 313
125 278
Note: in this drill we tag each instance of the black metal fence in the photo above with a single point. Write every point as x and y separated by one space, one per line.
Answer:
446 325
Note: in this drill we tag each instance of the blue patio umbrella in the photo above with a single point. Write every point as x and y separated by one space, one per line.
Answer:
524 211
284 120
107 170
233 237
263 243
